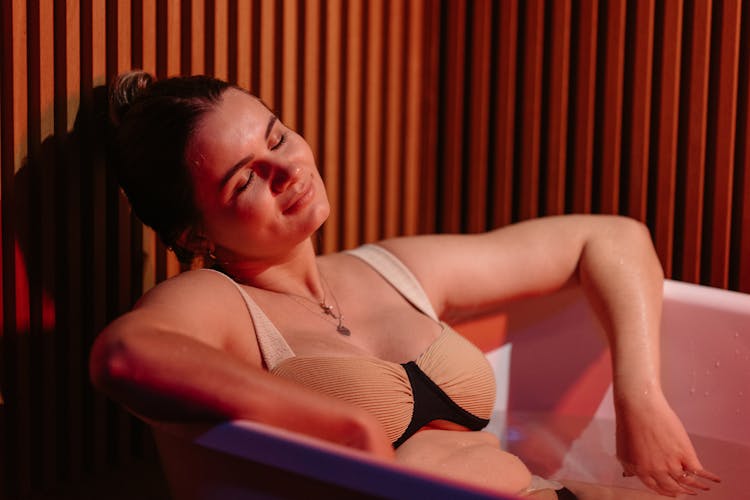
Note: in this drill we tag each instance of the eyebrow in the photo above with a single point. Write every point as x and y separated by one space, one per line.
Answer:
234 168
269 127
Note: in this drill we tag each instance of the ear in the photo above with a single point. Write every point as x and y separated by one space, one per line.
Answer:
195 241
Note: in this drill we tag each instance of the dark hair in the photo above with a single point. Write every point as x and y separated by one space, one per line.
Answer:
153 122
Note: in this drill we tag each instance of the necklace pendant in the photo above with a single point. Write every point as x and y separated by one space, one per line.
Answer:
343 330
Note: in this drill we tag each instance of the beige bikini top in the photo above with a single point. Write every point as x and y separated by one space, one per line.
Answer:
451 380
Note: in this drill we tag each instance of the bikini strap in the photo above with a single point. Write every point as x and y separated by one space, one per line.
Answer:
397 274
273 347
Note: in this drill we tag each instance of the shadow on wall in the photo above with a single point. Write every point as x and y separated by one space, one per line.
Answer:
72 261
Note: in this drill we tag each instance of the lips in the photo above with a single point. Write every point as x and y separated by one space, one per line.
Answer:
299 199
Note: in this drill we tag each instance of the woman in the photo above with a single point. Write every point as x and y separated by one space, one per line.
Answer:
342 346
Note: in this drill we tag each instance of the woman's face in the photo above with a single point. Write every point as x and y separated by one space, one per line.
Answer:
256 183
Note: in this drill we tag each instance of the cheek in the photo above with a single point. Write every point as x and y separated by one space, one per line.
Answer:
302 150
252 203
254 213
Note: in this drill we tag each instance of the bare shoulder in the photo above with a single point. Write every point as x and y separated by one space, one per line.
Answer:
201 304
187 288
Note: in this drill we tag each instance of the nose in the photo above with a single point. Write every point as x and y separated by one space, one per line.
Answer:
279 176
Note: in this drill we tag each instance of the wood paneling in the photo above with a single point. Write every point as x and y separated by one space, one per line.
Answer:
424 116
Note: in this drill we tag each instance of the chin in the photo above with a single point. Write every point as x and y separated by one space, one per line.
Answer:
319 216
319 210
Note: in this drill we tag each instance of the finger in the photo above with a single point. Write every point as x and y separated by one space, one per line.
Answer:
685 481
654 485
696 468
692 480
674 484
706 475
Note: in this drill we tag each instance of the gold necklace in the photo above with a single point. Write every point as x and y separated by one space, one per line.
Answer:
326 308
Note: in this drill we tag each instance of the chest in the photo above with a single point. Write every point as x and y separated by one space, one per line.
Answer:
381 322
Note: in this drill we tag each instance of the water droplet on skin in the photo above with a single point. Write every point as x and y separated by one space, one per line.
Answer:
740 394
717 364
692 390
705 394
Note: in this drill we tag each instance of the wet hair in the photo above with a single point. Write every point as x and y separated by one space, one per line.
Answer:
153 121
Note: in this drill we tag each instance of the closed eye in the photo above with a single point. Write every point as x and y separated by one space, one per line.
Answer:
280 142
246 184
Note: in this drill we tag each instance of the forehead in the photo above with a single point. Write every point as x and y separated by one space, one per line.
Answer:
236 116
224 132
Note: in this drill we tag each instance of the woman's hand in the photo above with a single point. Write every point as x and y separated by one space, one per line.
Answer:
653 445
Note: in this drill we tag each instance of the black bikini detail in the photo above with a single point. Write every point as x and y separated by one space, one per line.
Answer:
432 403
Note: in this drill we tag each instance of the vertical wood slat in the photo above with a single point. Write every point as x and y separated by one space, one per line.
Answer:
373 128
74 290
11 479
172 67
531 108
611 107
504 93
116 234
146 42
584 118
221 43
97 219
450 133
46 356
478 118
414 125
666 125
290 63
384 92
432 35
311 114
393 120
84 412
161 30
155 39
197 37
62 262
17 146
244 23
352 126
174 39
696 120
267 60
332 89
741 210
29 215
557 128
722 160
640 109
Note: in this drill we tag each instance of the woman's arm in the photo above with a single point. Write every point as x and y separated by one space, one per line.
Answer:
166 370
614 261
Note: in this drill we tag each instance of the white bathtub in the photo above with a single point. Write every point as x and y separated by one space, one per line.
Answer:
554 409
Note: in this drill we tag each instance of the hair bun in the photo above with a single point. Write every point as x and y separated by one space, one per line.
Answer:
124 91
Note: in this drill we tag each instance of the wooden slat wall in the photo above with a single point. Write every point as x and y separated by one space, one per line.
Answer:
425 116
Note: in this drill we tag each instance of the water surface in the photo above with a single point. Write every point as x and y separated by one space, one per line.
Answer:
582 450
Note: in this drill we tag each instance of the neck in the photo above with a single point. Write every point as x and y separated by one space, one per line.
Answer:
295 272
